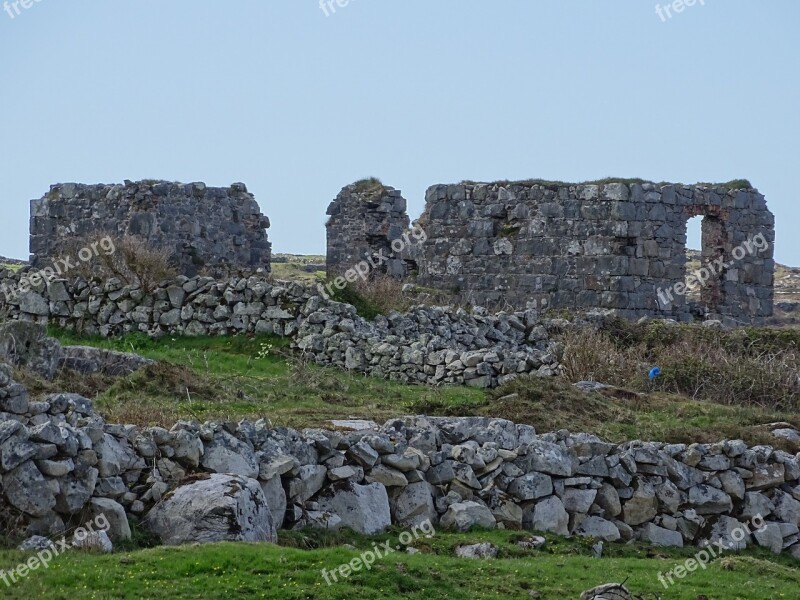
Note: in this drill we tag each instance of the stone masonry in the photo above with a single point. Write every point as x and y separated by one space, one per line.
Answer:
617 246
204 228
365 218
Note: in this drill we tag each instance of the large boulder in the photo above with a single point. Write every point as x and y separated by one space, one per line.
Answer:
413 504
463 516
110 513
546 457
88 360
362 508
659 536
642 506
276 499
548 515
731 533
596 527
26 345
787 509
707 500
27 490
213 508
531 486
309 481
75 490
15 448
228 455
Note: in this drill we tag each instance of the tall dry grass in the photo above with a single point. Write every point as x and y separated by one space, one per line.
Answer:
134 261
745 367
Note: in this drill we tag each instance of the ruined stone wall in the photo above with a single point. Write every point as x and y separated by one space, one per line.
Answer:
203 228
613 246
365 218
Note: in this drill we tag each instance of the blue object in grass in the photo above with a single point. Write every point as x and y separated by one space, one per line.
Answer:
654 372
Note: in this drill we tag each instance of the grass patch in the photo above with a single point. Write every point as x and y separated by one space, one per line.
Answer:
301 268
561 569
619 415
369 185
235 377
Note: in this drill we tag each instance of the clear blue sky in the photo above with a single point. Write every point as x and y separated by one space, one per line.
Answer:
416 92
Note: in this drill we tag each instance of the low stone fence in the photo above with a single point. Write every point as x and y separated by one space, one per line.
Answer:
427 345
60 461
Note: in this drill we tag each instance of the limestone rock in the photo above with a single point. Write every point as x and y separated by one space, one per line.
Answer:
362 508
463 516
213 508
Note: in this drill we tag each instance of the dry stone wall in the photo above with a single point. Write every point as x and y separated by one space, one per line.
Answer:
203 228
434 345
60 461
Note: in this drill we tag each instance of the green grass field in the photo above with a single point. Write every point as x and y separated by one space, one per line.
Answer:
230 378
259 377
562 569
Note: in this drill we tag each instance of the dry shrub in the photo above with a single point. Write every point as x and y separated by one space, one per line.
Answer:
590 355
384 293
378 295
134 261
752 367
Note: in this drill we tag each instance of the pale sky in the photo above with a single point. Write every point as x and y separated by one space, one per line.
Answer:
298 104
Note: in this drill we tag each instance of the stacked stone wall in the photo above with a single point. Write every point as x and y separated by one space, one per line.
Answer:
433 345
60 462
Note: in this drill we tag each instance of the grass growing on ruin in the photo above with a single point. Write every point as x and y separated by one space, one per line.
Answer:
562 569
369 185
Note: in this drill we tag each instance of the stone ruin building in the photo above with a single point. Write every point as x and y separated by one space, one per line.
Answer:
616 245
612 245
204 229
